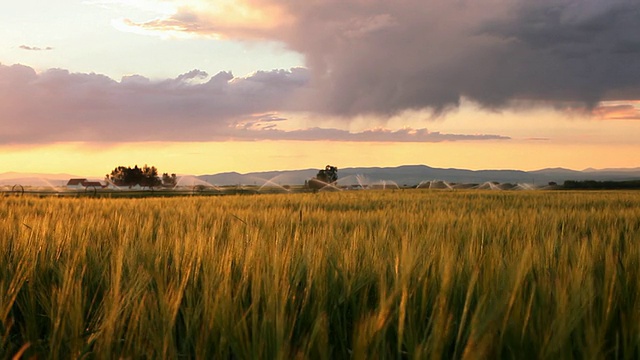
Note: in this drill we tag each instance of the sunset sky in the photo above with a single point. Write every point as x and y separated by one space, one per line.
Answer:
206 86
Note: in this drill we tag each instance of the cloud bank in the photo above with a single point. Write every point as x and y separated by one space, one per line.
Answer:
384 57
56 106
364 58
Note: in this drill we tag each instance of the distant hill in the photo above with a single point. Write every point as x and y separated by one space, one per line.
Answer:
36 179
414 174
402 175
285 177
615 170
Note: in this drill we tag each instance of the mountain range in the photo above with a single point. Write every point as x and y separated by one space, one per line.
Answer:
414 174
33 179
401 175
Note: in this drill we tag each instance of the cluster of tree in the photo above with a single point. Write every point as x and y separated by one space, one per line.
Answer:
144 176
328 175
601 185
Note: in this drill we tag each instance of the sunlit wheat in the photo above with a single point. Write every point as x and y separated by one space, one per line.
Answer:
378 274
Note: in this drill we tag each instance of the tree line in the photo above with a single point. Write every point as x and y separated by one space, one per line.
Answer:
144 176
601 185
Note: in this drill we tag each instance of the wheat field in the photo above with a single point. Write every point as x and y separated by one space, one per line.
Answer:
364 274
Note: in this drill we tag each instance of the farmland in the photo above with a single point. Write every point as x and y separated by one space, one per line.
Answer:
365 274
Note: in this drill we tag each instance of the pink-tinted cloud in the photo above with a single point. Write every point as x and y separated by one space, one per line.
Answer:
57 105
221 19
35 48
618 111
268 132
384 57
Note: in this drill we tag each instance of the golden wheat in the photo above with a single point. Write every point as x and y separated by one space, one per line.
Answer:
371 274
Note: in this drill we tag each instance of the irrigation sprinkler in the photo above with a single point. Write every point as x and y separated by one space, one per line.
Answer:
87 189
17 188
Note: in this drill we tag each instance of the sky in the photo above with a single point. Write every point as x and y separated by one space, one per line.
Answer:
208 86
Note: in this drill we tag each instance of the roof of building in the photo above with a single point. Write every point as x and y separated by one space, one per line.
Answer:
83 182
76 182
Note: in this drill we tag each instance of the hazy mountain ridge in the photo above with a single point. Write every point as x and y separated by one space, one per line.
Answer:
38 179
402 175
16 175
414 174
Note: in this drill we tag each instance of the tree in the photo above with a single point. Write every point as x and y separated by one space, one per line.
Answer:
329 175
150 176
127 176
169 180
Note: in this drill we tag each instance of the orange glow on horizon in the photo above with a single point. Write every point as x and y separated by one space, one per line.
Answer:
94 159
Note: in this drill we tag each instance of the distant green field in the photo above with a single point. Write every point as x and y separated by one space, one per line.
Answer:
365 274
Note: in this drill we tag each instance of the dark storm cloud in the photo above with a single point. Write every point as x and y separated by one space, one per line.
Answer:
383 57
569 50
433 53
